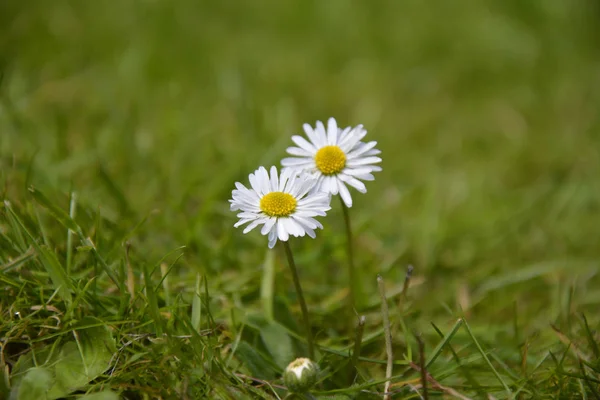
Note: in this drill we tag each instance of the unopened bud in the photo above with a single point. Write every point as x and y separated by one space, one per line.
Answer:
300 375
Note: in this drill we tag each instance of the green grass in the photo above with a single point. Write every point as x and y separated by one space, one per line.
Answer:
124 125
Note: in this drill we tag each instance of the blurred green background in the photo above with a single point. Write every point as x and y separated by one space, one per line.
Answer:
487 113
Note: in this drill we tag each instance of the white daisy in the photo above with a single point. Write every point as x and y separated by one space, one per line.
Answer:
335 157
284 205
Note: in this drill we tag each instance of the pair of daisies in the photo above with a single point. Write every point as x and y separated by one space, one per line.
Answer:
326 164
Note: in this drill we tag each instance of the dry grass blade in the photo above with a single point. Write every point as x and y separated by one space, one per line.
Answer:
388 336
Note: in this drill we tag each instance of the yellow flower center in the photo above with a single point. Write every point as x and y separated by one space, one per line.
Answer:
278 204
330 160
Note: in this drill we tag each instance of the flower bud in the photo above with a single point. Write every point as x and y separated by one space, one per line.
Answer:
300 375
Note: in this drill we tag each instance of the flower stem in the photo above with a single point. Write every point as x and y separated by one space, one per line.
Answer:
353 281
305 317
388 336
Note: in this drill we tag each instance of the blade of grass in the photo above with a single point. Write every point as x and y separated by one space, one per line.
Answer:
388 336
66 221
566 340
590 337
152 300
487 360
57 273
48 259
164 271
19 241
422 368
360 328
42 227
405 286
129 271
60 215
197 304
467 374
18 261
438 349
401 303
587 381
114 191
72 208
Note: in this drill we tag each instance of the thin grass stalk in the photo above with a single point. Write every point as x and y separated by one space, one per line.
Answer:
405 286
352 278
487 360
422 366
130 274
305 316
388 336
360 329
72 211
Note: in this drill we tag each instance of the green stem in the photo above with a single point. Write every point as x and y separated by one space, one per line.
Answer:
360 329
350 250
72 208
305 317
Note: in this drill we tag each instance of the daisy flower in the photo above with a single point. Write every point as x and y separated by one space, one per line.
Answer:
336 157
284 205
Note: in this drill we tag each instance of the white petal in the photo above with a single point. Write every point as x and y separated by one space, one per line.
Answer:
245 206
294 228
324 184
303 221
240 187
304 187
331 185
304 144
345 195
247 215
287 226
360 149
358 170
273 237
313 136
242 222
296 162
283 179
363 161
316 198
243 191
332 132
274 182
342 134
254 182
291 182
365 177
247 195
372 152
358 185
316 201
297 151
282 233
263 180
310 212
320 135
268 226
309 224
252 225
352 138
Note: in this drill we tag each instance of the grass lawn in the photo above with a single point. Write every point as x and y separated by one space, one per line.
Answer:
124 125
